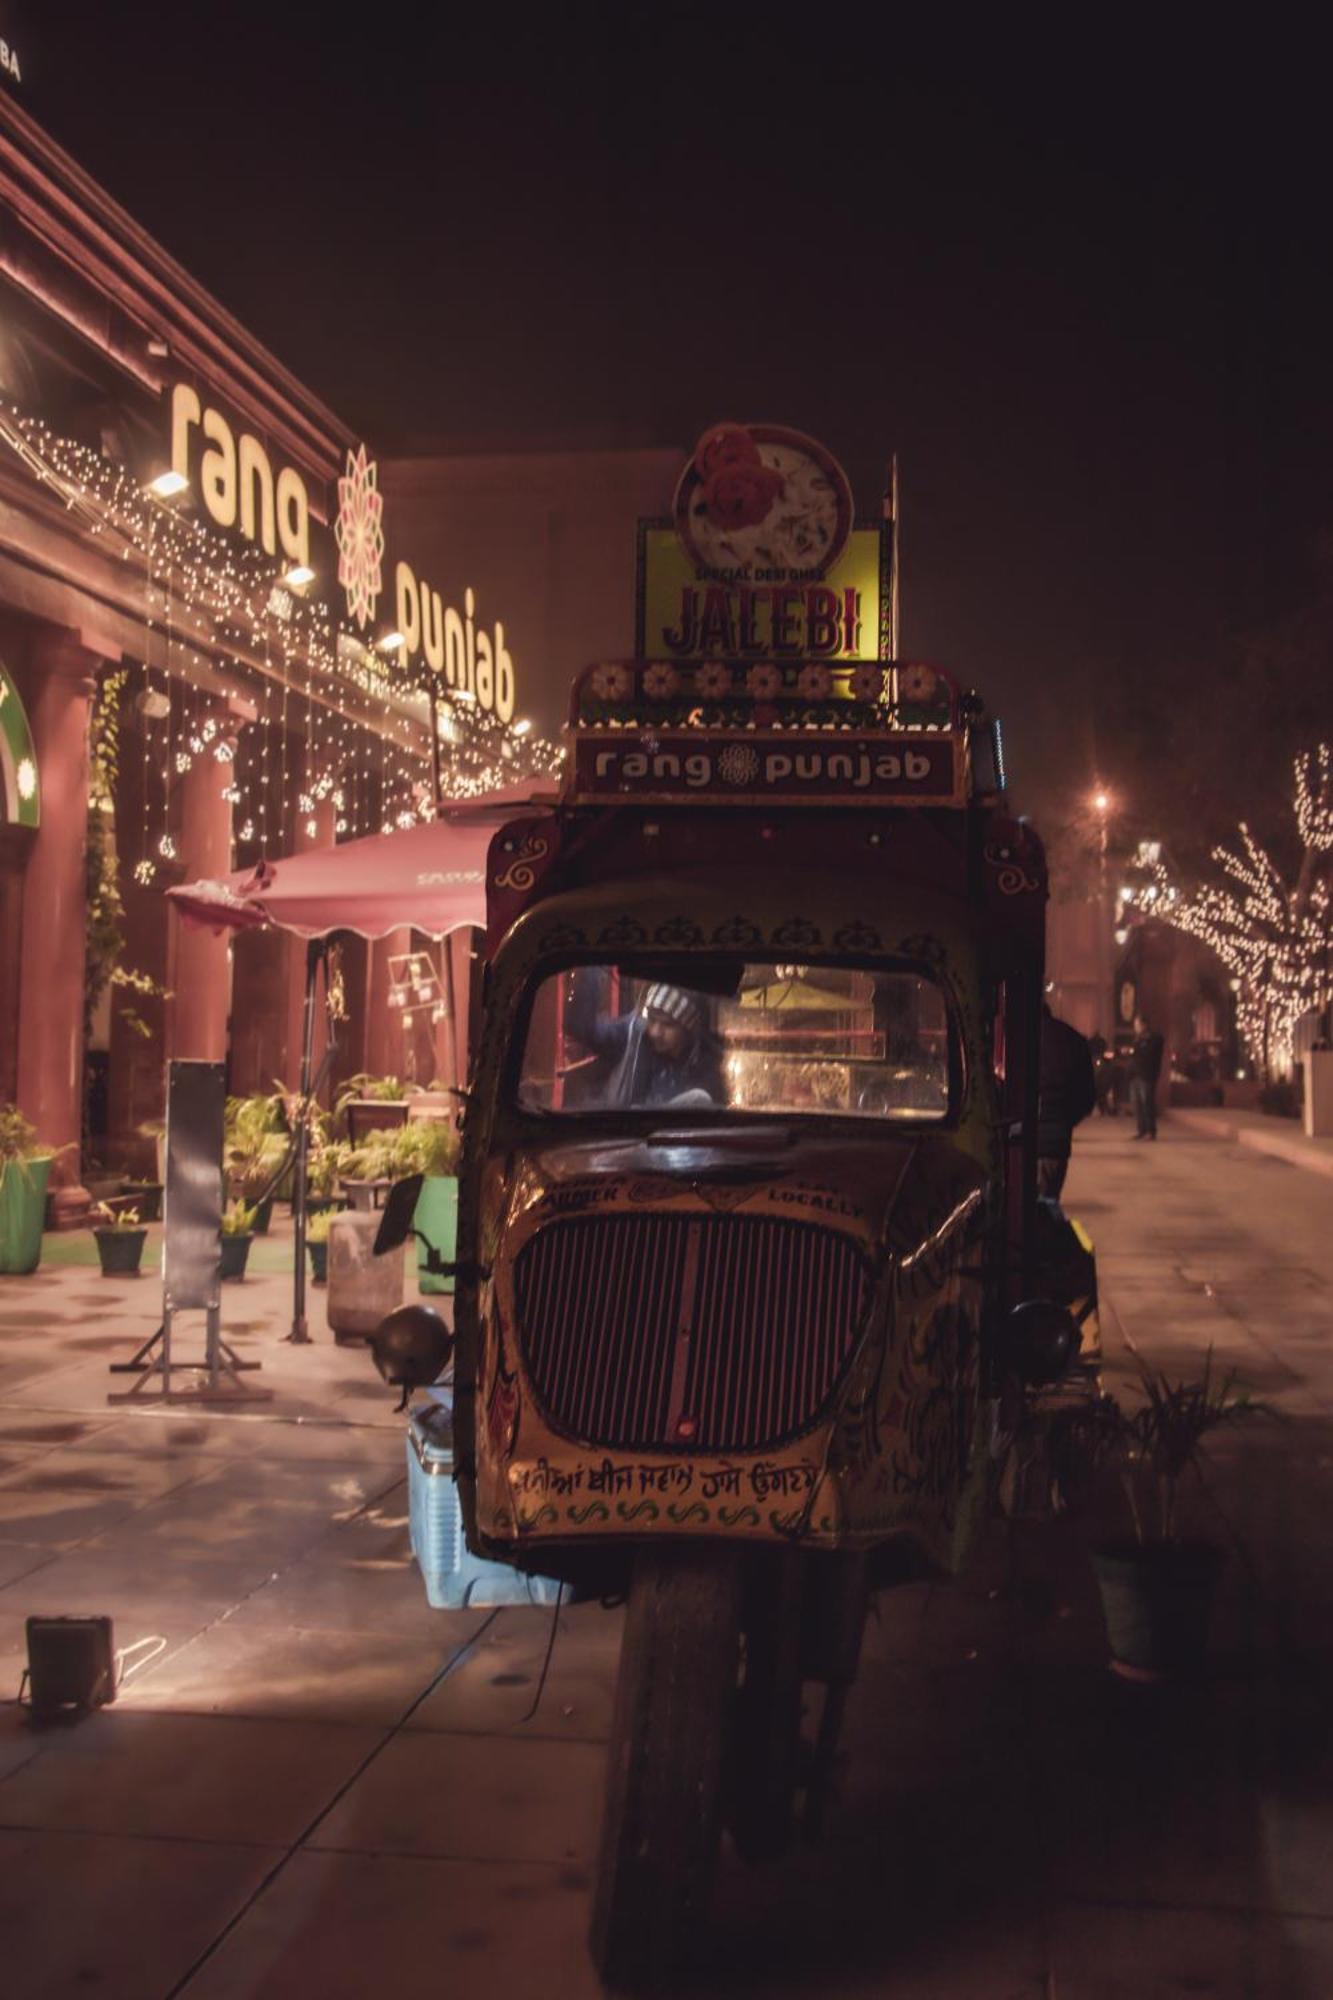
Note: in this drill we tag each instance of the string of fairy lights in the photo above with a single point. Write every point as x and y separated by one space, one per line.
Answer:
312 731
1274 936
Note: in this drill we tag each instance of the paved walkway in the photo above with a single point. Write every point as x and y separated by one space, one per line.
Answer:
1282 1138
313 1785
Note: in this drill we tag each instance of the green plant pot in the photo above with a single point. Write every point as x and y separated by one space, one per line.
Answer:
235 1253
120 1251
22 1210
436 1216
146 1197
1157 1599
319 1261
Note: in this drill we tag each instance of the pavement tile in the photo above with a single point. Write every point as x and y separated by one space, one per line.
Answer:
19 1559
360 1576
122 1918
66 1497
20 1739
183 1776
1147 1953
491 1689
243 1666
496 1798
344 1926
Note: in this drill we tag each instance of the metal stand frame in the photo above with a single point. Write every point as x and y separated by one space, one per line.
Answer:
221 1362
191 1252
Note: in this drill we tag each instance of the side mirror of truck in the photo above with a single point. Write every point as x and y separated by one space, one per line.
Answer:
396 1223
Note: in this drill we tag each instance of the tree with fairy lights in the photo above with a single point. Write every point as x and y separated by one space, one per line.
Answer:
1273 934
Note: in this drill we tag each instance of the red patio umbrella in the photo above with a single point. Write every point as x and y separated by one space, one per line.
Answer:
431 877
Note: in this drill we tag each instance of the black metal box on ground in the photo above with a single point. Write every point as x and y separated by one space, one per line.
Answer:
71 1665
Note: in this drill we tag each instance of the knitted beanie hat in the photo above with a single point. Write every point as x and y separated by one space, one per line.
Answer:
682 1010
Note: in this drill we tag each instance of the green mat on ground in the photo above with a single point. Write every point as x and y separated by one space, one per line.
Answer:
78 1246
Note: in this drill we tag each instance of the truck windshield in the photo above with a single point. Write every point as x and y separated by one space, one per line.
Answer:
755 1037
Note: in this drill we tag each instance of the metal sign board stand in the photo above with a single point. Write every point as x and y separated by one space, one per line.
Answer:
191 1246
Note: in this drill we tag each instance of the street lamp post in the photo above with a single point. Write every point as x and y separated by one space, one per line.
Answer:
1101 803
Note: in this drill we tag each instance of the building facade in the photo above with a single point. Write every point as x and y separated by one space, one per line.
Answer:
218 614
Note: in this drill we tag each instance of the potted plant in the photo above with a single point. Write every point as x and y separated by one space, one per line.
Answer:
238 1233
120 1237
371 1104
323 1170
317 1243
24 1169
366 1170
146 1196
254 1148
1157 1586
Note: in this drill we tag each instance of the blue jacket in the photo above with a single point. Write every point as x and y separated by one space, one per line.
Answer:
642 1076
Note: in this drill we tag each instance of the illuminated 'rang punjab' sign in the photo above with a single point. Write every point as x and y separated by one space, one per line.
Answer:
466 656
236 479
242 493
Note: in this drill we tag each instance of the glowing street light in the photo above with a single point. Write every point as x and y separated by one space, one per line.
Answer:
168 484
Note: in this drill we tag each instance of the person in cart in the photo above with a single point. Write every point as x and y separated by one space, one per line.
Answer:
661 1053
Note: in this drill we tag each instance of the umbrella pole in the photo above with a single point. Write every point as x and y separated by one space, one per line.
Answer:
314 955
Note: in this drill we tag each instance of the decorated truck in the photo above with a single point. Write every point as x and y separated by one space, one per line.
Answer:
749 1292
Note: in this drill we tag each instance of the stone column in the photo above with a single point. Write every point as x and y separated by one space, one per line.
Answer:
50 1036
201 960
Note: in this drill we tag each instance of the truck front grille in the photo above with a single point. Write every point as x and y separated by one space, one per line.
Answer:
717 1332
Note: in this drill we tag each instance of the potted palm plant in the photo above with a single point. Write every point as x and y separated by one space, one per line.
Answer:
1157 1585
238 1233
24 1169
120 1236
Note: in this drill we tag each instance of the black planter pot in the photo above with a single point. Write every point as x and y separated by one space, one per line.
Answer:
235 1253
146 1197
120 1251
1157 1598
319 1261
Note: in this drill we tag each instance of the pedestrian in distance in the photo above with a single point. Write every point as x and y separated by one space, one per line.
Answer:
1145 1067
1066 1093
1103 1070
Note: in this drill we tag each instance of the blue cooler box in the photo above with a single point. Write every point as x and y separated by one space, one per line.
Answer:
453 1576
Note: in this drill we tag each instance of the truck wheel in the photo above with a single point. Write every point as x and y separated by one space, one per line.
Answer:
765 1751
673 1704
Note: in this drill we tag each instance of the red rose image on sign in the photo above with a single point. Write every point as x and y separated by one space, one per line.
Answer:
761 503
741 496
724 445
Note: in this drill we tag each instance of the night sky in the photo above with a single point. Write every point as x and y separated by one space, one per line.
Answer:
1080 283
